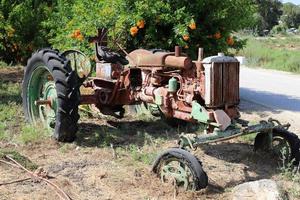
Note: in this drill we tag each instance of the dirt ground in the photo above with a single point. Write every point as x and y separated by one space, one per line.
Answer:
90 168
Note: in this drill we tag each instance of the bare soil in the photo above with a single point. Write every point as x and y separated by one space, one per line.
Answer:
91 169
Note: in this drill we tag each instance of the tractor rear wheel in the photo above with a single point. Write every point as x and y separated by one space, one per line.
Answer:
51 94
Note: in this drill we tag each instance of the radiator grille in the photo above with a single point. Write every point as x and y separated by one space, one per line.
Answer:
222 84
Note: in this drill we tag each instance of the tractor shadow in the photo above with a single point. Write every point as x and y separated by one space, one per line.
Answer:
227 164
237 163
126 132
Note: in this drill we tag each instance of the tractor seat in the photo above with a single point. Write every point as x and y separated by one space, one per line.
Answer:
103 53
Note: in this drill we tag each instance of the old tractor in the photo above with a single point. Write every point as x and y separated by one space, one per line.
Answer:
169 84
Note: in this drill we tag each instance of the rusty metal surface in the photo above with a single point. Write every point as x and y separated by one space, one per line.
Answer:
193 141
171 81
88 99
145 58
178 62
221 84
108 70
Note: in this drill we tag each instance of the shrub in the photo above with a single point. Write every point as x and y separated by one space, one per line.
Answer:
21 28
279 29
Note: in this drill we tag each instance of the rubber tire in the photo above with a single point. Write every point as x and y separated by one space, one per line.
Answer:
67 88
200 177
291 138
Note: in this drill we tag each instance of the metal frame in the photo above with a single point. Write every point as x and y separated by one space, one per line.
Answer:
235 130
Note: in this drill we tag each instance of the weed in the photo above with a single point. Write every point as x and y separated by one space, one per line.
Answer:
9 112
248 138
139 154
32 134
66 147
3 64
289 171
3 133
10 92
18 157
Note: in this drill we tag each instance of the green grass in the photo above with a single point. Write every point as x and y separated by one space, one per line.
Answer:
248 138
67 147
279 53
13 127
32 134
11 114
3 64
290 172
18 157
140 154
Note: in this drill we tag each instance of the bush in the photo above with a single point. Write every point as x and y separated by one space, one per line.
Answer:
151 23
279 29
21 28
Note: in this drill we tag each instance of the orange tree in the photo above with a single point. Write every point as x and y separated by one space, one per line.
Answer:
26 25
152 23
21 29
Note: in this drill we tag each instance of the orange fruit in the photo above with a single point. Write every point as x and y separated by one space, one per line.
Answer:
15 46
193 26
80 37
186 37
230 41
77 33
217 35
140 24
134 30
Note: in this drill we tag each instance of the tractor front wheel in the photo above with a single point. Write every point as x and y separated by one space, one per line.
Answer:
285 145
180 168
51 94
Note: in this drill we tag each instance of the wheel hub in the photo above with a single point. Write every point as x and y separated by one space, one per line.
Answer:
48 104
177 173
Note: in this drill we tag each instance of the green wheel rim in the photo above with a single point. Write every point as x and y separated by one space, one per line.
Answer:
178 172
281 148
41 87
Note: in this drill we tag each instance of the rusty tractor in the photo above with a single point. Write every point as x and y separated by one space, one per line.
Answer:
170 84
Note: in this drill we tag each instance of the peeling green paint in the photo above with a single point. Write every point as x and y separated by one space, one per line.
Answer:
199 113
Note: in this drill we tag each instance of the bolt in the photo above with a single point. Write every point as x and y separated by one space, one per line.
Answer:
43 102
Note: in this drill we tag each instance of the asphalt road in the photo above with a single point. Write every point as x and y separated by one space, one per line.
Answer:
273 89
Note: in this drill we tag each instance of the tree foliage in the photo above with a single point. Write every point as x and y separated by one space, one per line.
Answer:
154 23
66 24
269 12
21 28
291 15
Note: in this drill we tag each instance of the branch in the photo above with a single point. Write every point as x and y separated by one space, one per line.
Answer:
58 191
